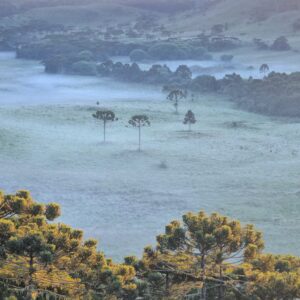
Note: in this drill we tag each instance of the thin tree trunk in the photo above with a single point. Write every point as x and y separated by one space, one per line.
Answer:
203 267
31 270
139 137
104 131
221 287
167 283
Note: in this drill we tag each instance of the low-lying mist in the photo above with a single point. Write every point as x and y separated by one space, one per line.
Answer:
239 164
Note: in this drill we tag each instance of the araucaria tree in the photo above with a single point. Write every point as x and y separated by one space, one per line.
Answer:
214 243
43 260
139 121
189 119
175 96
105 116
264 68
203 256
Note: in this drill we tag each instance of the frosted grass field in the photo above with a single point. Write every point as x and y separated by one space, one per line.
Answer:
50 144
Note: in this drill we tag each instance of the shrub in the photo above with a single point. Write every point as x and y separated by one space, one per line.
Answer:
260 44
158 74
281 44
85 68
85 55
204 83
222 44
167 51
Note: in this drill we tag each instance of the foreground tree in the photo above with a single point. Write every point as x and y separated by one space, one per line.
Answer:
212 243
22 204
189 119
105 116
39 258
139 121
204 256
175 96
213 257
270 277
33 247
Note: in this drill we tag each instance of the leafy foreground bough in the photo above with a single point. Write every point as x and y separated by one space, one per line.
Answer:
202 257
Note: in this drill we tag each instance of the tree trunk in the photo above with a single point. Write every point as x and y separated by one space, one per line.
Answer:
221 287
140 138
167 283
203 268
30 284
31 269
104 131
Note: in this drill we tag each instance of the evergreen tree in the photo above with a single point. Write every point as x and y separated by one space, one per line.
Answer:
139 121
175 96
105 116
189 119
264 68
211 242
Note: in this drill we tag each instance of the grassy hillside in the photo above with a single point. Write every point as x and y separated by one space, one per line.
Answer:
255 18
75 13
93 14
265 19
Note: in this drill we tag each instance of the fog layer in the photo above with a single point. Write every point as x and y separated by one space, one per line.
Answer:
239 164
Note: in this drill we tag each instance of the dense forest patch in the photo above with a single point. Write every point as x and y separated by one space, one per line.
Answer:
208 256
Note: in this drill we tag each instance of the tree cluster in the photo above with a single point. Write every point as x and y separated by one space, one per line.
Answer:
279 44
59 45
204 256
276 94
106 116
41 259
136 121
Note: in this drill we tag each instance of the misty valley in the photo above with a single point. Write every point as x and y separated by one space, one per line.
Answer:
228 163
149 150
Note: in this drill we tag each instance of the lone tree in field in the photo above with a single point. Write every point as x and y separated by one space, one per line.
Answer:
264 68
175 96
105 116
139 121
189 119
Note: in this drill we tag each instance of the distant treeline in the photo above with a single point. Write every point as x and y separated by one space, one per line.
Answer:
276 94
71 44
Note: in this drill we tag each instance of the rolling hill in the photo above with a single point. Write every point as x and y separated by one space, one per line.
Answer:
266 19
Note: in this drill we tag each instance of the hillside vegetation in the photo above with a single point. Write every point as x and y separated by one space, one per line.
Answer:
257 18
